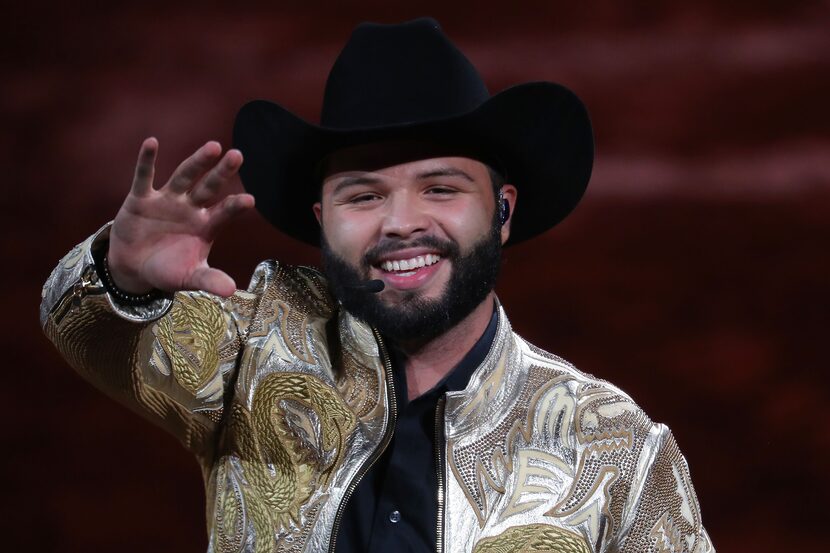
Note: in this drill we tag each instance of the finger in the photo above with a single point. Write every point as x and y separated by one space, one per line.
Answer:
213 281
145 167
207 190
191 169
227 209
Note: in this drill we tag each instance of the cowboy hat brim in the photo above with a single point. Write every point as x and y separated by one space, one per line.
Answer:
539 132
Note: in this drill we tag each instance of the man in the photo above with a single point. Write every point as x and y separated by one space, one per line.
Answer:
388 407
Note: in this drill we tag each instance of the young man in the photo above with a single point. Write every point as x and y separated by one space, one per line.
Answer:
389 406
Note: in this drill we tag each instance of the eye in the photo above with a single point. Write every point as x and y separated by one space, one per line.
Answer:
363 198
440 190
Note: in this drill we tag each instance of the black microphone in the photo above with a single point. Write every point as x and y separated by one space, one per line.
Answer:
373 286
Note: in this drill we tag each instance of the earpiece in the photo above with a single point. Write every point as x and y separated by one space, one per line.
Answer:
504 208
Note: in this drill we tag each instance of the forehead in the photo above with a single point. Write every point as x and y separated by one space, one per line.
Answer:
398 159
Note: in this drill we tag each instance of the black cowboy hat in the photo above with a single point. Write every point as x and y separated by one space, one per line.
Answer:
409 82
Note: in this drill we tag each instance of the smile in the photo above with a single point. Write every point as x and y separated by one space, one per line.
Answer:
405 267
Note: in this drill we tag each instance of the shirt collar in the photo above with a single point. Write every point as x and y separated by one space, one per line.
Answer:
458 378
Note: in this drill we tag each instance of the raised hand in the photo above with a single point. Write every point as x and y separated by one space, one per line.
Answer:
161 237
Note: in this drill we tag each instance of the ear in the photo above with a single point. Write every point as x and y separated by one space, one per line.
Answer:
318 212
509 193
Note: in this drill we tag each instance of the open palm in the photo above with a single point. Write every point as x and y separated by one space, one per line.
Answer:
161 238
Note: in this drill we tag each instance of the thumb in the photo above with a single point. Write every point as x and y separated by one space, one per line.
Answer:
213 281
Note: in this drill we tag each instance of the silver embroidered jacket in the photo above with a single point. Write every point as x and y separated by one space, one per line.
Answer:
286 401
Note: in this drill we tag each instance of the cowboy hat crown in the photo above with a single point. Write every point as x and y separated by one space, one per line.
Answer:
399 75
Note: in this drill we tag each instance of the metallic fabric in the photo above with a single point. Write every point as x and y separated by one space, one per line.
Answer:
533 441
285 401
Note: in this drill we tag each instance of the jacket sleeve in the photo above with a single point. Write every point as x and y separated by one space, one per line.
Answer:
662 513
170 360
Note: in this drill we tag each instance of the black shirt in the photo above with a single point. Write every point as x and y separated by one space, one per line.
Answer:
395 506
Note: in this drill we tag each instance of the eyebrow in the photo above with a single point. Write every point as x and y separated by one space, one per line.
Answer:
445 172
366 179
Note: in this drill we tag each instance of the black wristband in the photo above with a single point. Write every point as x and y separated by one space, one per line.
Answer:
120 295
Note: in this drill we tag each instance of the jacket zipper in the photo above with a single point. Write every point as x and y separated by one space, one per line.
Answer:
439 465
387 436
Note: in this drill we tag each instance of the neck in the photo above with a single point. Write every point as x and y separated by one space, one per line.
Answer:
429 362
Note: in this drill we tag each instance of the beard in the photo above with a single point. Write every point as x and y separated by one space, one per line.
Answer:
414 318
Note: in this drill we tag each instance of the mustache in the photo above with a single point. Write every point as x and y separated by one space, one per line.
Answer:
444 248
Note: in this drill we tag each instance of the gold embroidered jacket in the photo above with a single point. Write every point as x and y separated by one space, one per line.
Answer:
286 401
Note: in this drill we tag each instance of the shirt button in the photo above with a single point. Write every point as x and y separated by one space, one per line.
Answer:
394 516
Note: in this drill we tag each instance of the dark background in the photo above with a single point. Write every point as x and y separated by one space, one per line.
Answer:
693 275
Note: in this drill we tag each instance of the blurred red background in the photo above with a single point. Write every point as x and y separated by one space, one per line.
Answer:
693 275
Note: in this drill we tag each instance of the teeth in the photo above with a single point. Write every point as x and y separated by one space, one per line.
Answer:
409 264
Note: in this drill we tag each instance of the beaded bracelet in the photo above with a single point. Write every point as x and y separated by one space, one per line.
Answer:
125 297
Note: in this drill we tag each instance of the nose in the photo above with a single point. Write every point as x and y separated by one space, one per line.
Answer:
404 217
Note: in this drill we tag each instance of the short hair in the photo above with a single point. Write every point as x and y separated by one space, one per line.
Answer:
496 179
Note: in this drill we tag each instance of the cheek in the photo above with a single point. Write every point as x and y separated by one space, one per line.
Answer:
347 234
467 224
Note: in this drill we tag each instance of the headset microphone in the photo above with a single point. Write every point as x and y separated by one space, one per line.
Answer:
373 286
